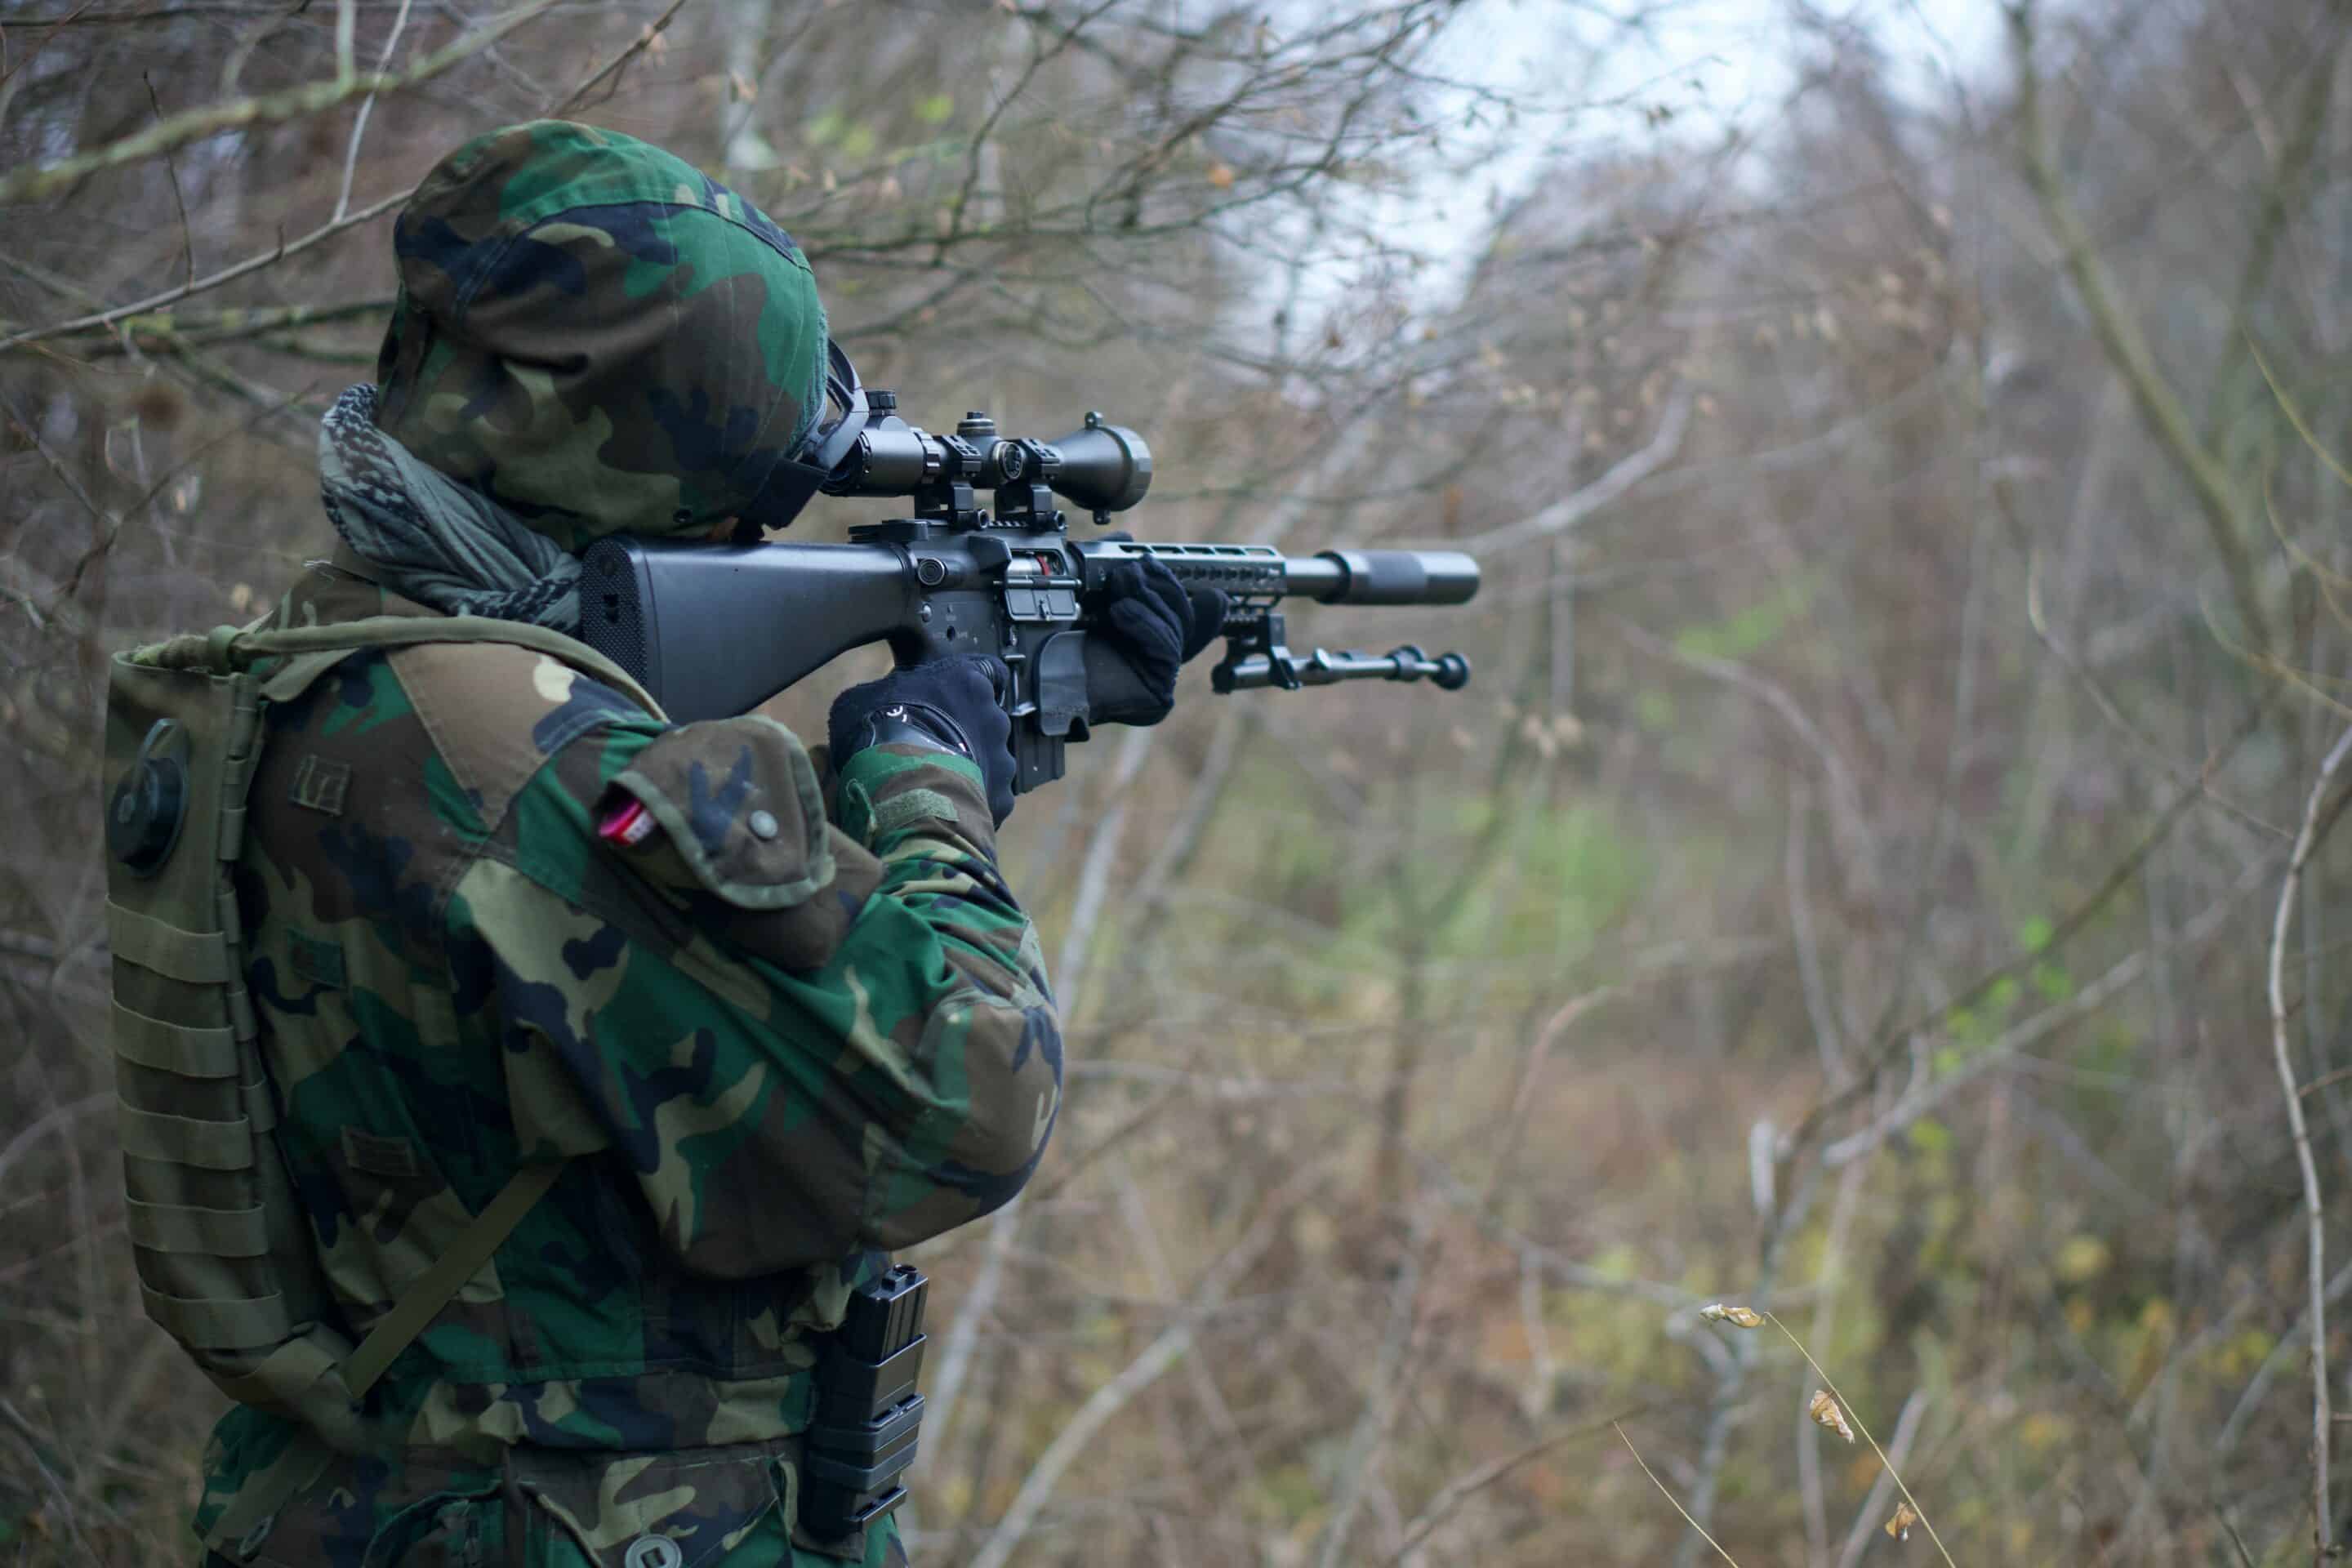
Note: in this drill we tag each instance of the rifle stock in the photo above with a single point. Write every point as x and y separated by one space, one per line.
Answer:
715 630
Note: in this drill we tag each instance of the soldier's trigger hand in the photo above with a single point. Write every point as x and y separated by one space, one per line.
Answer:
726 819
954 705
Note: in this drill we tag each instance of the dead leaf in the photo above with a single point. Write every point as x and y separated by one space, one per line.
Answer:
1826 1414
1738 1316
1900 1525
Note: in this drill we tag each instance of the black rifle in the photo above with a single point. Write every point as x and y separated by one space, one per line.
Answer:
714 630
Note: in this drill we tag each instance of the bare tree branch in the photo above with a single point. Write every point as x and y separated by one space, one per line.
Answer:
2322 1419
41 181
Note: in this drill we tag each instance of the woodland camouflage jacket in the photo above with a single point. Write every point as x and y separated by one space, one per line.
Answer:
780 1046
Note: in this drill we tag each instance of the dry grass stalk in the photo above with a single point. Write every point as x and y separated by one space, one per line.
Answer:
1679 1509
1827 1408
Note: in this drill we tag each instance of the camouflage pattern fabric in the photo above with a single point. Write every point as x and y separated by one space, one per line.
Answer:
598 336
775 1046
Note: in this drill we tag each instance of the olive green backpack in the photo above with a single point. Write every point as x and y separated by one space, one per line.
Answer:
227 1265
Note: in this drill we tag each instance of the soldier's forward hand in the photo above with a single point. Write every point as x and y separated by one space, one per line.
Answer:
1150 624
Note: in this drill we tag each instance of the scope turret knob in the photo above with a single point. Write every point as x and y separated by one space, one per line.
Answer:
880 400
976 426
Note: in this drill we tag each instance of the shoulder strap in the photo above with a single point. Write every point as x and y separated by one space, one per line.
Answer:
424 1299
229 647
249 1513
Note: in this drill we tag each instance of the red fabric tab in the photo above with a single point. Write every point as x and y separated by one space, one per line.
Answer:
628 823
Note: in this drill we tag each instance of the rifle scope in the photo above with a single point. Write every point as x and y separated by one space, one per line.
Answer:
1100 467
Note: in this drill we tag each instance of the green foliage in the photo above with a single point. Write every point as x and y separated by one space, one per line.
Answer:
1752 629
834 132
1569 873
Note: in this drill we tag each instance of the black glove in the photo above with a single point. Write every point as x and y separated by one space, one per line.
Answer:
949 705
1150 625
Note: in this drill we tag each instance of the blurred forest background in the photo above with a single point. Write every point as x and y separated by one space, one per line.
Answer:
1881 873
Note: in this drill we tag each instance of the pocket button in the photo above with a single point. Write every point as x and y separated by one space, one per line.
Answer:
653 1551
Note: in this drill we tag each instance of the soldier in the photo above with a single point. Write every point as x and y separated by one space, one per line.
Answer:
752 1021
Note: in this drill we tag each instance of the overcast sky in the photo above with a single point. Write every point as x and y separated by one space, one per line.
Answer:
1719 64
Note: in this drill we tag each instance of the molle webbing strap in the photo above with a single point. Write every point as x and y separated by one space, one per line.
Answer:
219 1325
219 1233
191 1050
184 1139
196 957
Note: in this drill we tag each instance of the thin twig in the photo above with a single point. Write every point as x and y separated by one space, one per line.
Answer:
1391 1381
56 26
165 332
1171 1344
2324 1081
325 231
1462 1488
1572 510
250 265
2305 843
2126 346
38 182
367 106
172 167
2295 416
644 41
57 465
1679 1509
1892 1041
1848 818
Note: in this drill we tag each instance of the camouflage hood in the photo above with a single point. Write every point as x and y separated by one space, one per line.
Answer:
598 337
431 539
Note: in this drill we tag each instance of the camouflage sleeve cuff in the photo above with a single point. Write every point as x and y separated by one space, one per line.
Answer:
890 791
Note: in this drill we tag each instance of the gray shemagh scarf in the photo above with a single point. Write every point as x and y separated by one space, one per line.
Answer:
431 538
